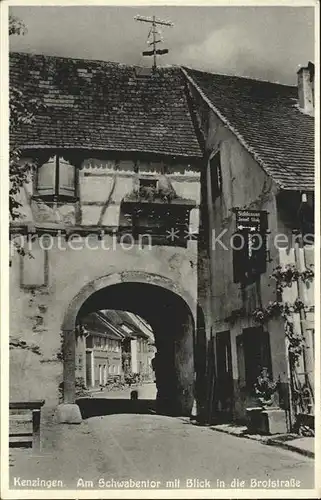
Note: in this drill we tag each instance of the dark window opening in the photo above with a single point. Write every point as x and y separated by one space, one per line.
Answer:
296 210
257 354
216 175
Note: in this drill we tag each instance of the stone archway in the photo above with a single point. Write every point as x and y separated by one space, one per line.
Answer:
172 313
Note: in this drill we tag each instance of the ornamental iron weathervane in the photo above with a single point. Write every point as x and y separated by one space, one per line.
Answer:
154 32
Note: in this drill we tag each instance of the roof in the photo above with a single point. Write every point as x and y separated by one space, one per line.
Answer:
104 106
119 318
265 118
95 324
97 105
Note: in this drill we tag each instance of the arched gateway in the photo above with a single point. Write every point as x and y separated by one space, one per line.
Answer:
112 218
169 310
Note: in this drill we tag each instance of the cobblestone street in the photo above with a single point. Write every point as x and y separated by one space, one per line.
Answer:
102 451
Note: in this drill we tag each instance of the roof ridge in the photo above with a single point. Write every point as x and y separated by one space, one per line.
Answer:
241 77
84 60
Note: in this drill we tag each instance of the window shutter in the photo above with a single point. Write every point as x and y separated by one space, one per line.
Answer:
240 256
66 178
258 254
46 178
240 361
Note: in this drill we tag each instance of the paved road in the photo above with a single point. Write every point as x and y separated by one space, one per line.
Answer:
158 448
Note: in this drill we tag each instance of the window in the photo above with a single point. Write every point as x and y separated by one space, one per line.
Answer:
257 354
56 178
216 175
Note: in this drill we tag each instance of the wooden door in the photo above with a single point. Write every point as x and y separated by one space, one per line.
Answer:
224 374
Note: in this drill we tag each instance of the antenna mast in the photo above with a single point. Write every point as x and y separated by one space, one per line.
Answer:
154 31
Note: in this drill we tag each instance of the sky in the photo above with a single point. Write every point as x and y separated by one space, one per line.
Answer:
267 43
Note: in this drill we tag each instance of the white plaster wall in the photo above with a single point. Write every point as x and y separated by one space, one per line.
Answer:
69 271
244 185
37 312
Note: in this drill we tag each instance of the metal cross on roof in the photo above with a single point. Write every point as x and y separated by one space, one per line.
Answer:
154 32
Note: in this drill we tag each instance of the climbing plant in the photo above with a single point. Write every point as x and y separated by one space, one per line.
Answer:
22 112
285 277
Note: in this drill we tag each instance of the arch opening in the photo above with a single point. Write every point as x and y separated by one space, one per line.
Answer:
172 323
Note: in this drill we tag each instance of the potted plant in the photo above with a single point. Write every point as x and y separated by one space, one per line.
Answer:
267 417
265 389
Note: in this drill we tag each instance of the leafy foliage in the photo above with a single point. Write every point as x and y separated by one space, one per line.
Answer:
265 388
285 277
16 26
22 111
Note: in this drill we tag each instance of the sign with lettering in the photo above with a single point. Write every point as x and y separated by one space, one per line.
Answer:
252 220
249 259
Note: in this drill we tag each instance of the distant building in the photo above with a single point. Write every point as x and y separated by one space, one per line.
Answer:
145 347
98 351
137 345
111 343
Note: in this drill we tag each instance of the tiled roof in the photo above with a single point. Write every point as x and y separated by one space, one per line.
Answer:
119 318
265 118
102 105
95 324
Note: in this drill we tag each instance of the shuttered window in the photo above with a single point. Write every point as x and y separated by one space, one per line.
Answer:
46 178
66 178
56 179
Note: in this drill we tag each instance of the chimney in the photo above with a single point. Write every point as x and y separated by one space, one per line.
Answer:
306 88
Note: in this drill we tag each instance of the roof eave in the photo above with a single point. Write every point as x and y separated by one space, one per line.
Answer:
195 156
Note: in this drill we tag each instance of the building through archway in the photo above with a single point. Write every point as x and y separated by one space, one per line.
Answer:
173 325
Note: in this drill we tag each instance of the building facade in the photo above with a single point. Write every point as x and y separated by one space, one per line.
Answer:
136 178
259 142
98 350
109 214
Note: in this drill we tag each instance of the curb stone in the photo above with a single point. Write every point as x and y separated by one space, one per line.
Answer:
265 440
290 447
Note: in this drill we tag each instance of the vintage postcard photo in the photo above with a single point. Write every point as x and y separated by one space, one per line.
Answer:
160 215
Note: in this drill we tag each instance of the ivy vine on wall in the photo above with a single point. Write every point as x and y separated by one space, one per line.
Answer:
285 277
